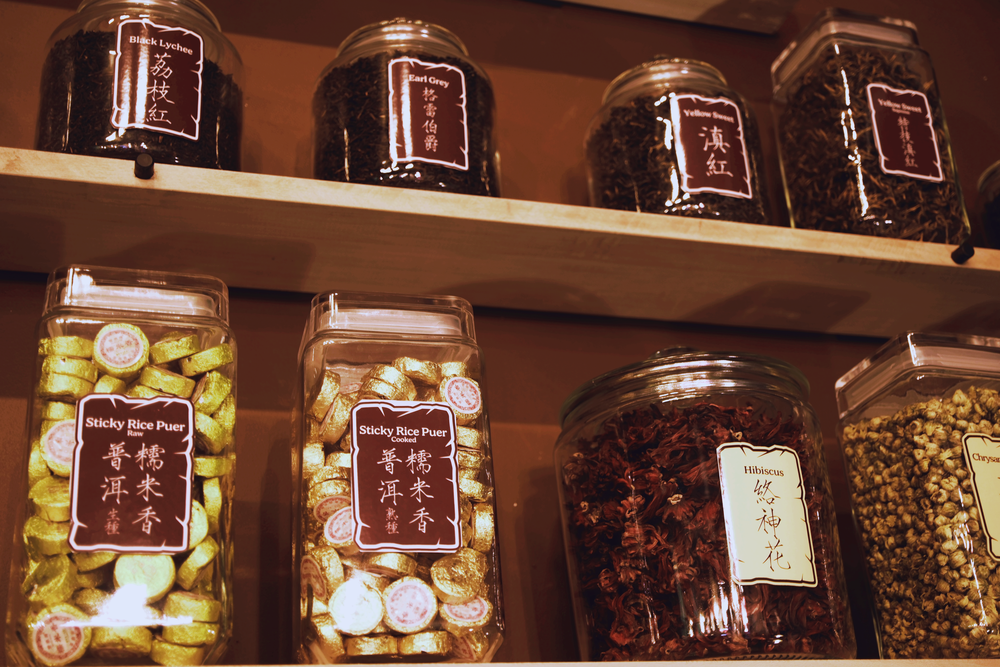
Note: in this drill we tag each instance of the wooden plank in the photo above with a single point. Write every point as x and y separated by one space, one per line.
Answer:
303 235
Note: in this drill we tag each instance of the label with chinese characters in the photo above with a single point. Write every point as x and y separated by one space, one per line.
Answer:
711 148
983 454
405 477
158 72
767 525
427 115
132 473
904 132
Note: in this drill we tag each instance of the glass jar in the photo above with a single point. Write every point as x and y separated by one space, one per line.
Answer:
672 137
395 554
920 431
989 195
403 105
697 513
862 138
126 556
125 77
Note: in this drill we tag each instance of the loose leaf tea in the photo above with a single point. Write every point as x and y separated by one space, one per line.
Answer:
77 106
923 528
836 177
351 108
647 528
634 165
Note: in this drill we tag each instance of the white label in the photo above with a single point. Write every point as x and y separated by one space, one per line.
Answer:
767 526
983 454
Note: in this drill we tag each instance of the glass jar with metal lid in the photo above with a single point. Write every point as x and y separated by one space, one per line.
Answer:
125 77
920 432
404 105
989 198
698 515
672 137
125 546
396 553
861 132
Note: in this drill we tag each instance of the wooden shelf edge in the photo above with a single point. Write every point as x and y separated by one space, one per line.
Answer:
282 233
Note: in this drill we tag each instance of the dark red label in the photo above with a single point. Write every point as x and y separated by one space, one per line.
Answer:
904 132
132 472
158 78
405 477
427 118
711 149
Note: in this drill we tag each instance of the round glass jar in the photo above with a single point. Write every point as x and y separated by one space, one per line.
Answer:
125 77
125 551
920 432
672 137
989 197
697 513
395 555
862 137
403 105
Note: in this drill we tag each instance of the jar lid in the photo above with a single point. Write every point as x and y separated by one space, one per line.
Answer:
661 71
190 5
684 372
137 291
399 32
915 352
831 22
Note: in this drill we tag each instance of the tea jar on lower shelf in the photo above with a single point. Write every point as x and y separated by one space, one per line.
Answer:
124 550
920 431
125 77
396 554
697 513
673 137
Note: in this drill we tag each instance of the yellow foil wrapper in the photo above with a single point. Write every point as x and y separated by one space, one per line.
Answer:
376 388
121 350
197 525
212 466
329 640
209 433
91 560
121 643
191 634
211 390
470 459
226 414
456 578
312 459
376 645
322 570
426 643
174 347
207 360
93 579
464 397
450 369
356 608
473 614
91 600
211 491
339 460
57 410
418 370
154 574
327 473
470 646
167 382
469 438
327 497
475 490
482 527
202 608
406 390
46 538
196 564
52 581
336 420
164 653
108 384
70 346
324 394
74 366
390 564
56 635
38 469
57 385
410 605
50 497
142 391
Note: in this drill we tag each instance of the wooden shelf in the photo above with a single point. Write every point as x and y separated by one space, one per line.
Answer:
297 234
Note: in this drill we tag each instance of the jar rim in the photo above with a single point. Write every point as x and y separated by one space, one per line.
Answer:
691 368
659 70
196 5
399 29
832 22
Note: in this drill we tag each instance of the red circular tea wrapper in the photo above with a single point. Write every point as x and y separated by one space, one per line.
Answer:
339 528
472 614
59 442
312 574
410 605
119 347
329 506
463 394
57 638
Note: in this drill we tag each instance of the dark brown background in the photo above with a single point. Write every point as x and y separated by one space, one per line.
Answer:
550 65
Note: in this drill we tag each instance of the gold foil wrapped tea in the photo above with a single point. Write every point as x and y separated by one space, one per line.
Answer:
152 574
207 360
62 365
121 350
57 635
50 497
52 581
191 634
356 608
70 346
390 564
375 645
166 381
410 605
121 643
201 557
456 578
165 653
202 608
211 390
324 394
435 643
328 639
418 370
321 570
174 347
